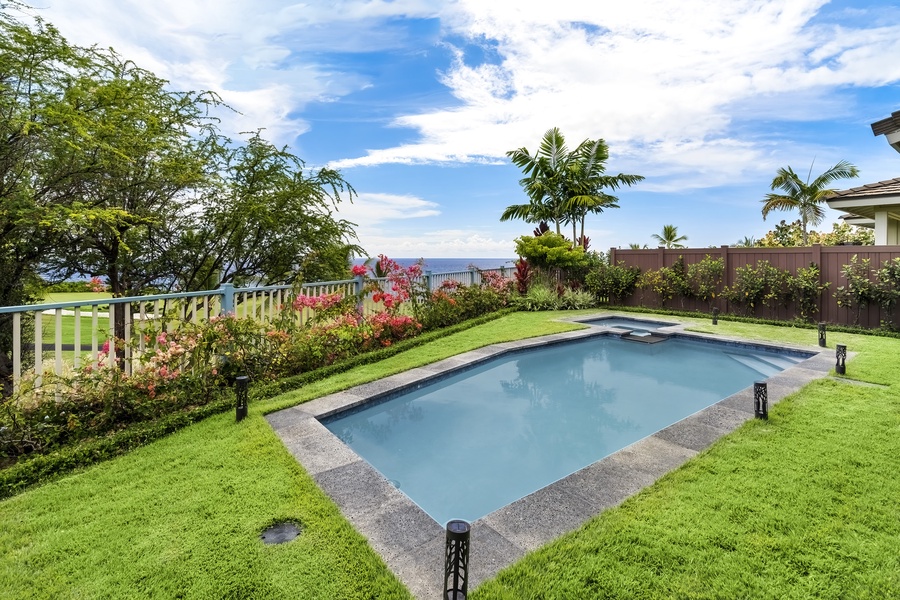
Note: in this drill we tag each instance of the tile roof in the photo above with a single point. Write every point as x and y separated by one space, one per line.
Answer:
890 187
889 125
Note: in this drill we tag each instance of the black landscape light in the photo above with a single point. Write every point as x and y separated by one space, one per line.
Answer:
841 366
822 334
241 384
760 400
715 315
456 561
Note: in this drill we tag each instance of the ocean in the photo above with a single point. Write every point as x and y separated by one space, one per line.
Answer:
452 265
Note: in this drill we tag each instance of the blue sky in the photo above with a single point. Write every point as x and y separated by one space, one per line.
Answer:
417 102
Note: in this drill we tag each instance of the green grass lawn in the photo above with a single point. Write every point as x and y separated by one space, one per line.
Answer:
801 506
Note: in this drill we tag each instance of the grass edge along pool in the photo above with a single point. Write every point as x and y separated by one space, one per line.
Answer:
420 439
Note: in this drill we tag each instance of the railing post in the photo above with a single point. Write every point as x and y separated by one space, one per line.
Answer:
428 281
358 286
226 289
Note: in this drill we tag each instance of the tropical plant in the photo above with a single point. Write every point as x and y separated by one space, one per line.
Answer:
805 197
659 282
745 242
612 283
806 291
860 291
565 186
539 297
705 278
669 237
635 246
550 250
888 292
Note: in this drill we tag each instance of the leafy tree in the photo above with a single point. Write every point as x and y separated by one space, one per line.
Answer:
565 186
805 197
806 291
612 283
669 237
104 170
265 220
705 278
786 235
550 250
844 234
860 291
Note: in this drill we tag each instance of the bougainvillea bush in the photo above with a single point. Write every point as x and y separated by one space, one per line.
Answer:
185 367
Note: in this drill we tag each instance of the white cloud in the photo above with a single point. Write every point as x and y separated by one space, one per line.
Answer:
653 77
663 82
441 243
259 57
370 209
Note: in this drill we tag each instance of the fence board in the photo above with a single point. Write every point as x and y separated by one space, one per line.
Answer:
830 260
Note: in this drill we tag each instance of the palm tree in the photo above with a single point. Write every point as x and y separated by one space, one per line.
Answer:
565 186
633 246
805 197
748 242
670 237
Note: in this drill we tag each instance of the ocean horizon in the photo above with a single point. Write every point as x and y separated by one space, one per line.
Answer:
451 265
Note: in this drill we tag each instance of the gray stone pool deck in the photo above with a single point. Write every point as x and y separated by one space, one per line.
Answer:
412 543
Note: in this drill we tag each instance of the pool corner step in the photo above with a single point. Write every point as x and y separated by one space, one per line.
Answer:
644 338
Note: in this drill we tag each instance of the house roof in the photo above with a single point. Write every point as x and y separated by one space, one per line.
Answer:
889 125
890 187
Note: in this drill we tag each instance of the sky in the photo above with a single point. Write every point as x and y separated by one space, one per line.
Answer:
417 102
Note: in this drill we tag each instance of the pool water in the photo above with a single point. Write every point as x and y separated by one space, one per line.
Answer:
626 323
479 439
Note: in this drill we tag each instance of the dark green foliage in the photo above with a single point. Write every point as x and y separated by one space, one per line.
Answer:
860 291
549 251
704 278
612 283
806 291
759 285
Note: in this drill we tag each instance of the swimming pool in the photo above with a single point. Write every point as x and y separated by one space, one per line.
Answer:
507 427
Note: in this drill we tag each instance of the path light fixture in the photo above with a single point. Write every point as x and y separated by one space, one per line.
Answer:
760 400
241 384
841 366
456 561
822 334
715 315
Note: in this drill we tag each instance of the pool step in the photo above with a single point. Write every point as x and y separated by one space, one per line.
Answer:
645 337
765 365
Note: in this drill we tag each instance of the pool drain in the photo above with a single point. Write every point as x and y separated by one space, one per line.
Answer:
279 533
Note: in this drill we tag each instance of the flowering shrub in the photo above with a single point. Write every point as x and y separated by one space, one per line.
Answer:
96 285
183 367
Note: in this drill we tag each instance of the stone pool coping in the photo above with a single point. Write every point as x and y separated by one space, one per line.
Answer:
412 543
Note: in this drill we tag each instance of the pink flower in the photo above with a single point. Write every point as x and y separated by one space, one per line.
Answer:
359 270
105 349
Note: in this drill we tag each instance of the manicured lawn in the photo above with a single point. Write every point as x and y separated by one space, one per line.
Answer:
801 506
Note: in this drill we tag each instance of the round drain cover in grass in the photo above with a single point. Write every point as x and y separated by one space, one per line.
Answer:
280 533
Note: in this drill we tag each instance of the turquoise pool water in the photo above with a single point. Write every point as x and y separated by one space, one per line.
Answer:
477 440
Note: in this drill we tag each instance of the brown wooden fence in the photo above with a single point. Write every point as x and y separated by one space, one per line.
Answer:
830 260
